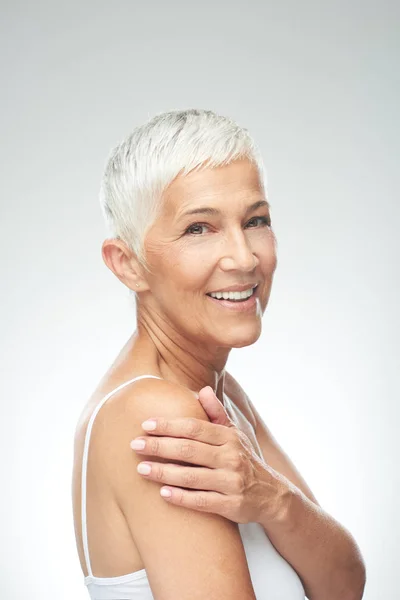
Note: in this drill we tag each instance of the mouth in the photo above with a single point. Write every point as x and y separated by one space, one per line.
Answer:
234 296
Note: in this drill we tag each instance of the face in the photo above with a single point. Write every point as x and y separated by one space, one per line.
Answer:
213 233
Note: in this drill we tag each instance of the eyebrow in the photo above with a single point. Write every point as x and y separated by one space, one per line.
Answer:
208 210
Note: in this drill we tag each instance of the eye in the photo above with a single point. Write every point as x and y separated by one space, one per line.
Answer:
195 227
265 221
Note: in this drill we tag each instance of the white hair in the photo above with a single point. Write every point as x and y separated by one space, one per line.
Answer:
141 167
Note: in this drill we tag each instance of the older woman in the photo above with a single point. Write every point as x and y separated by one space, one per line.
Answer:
191 237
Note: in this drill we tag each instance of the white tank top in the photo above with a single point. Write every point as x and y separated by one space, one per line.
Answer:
273 578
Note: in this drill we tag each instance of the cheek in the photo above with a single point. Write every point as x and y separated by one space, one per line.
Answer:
179 265
191 266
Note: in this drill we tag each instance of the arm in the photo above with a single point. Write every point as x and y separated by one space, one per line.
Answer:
187 554
324 553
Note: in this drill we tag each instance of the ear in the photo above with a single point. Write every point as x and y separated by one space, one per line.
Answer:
124 264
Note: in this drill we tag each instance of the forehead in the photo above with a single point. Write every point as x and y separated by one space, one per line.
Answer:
238 180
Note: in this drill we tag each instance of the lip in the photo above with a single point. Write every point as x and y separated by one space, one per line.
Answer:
235 288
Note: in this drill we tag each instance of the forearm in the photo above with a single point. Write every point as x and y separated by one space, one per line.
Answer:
322 552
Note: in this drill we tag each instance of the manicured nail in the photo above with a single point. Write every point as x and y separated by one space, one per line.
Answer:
138 444
144 468
149 425
165 492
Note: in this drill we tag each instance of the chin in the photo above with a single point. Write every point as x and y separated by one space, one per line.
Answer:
239 339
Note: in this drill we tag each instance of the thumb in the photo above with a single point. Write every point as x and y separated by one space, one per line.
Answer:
213 407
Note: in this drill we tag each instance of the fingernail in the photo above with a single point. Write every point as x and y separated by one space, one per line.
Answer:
165 492
144 468
138 444
149 425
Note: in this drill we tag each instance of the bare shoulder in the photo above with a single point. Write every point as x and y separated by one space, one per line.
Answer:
120 419
177 545
138 401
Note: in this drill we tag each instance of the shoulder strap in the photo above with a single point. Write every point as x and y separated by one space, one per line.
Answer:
84 465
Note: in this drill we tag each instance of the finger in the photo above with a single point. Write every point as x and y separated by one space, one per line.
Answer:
183 450
190 427
197 478
211 502
215 410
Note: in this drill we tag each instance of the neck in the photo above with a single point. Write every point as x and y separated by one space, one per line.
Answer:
180 359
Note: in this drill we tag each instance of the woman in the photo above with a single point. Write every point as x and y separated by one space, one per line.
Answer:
191 237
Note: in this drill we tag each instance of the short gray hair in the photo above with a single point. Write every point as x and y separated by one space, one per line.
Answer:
141 167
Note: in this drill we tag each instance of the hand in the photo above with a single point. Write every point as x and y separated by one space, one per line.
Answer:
240 486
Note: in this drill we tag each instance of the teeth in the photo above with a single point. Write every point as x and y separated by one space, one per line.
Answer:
232 295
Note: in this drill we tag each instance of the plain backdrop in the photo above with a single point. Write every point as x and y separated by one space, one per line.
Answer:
317 85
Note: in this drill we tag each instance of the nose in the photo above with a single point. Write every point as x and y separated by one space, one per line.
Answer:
238 254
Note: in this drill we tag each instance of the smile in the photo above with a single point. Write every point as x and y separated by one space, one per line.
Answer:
233 296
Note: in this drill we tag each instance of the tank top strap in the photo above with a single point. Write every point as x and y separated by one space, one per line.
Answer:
84 464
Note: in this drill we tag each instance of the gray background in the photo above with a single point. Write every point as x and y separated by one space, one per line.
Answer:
317 84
